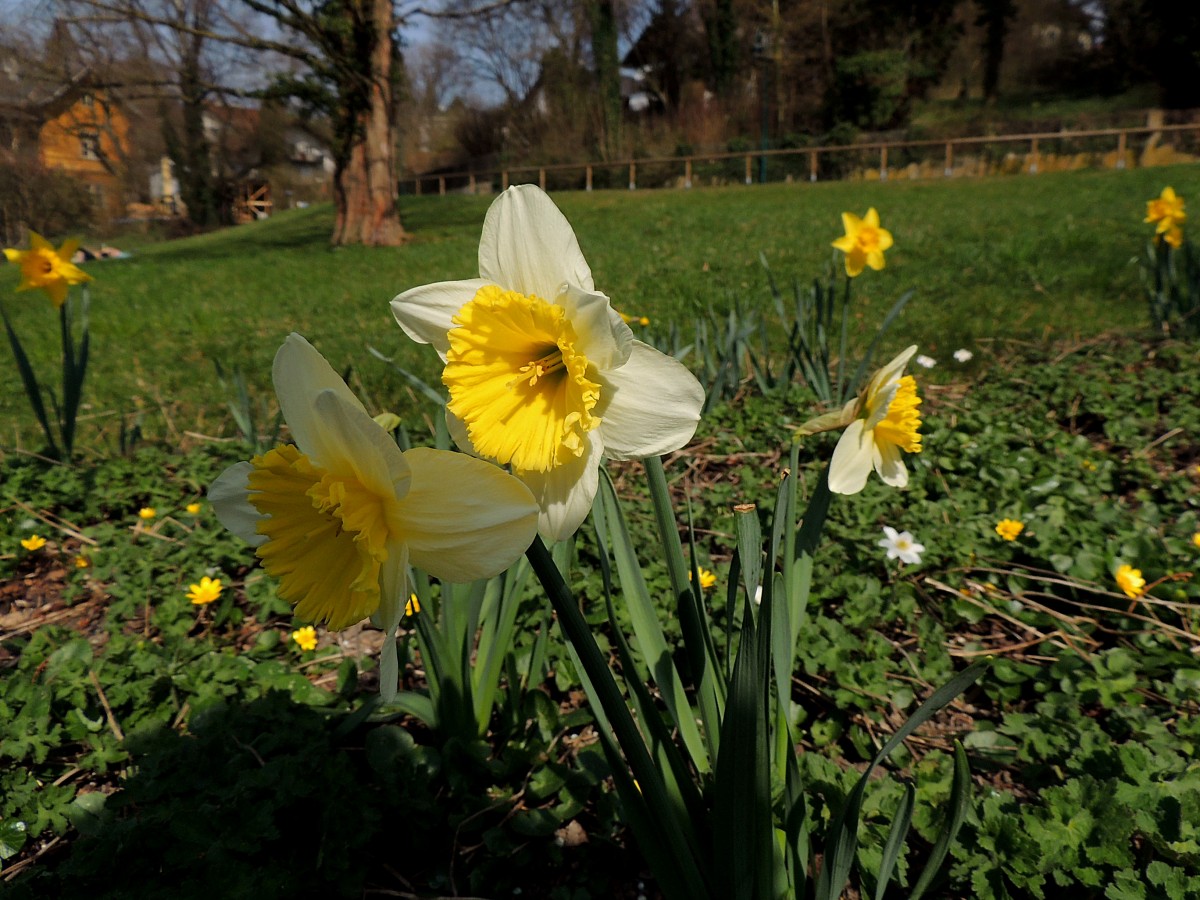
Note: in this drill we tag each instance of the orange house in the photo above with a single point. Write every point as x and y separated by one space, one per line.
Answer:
74 129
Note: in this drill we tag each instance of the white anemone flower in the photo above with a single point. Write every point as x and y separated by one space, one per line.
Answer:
900 545
963 355
925 362
339 516
543 374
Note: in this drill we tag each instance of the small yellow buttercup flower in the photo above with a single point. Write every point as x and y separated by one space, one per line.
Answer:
707 578
47 269
146 513
305 638
33 542
82 562
208 590
193 509
1009 529
633 320
1196 540
1130 580
1166 213
864 242
413 606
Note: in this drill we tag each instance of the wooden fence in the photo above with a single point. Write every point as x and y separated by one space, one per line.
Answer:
1109 147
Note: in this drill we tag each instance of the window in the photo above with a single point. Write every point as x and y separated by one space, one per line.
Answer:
89 145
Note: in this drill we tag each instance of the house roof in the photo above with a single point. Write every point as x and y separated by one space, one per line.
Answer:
30 95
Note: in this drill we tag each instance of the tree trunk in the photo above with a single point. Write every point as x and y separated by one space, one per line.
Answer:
364 190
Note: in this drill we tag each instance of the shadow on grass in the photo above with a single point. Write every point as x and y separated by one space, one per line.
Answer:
311 229
271 798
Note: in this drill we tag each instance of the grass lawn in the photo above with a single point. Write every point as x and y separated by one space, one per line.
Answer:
1044 257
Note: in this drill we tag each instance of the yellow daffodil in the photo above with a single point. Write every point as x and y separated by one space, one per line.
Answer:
146 513
305 638
707 578
47 269
543 374
33 542
1166 213
338 516
881 422
413 606
193 509
208 590
1130 580
864 242
1009 529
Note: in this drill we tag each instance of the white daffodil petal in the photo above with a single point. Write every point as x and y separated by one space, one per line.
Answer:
852 459
393 587
893 370
424 313
229 496
649 406
389 667
458 433
604 337
889 463
528 245
300 373
565 494
464 518
351 442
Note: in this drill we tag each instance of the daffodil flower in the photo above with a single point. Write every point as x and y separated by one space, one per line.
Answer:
47 269
863 242
338 517
881 423
543 374
1166 212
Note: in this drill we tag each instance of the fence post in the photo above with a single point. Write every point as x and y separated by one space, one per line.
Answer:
418 191
1121 150
949 169
542 179
687 172
441 185
471 184
632 175
883 163
1033 152
812 166
749 180
589 176
504 180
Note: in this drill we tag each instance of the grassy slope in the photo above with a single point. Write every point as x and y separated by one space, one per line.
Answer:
1038 257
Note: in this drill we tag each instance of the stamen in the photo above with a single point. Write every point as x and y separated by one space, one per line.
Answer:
540 368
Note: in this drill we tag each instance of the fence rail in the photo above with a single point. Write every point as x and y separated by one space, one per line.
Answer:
1107 147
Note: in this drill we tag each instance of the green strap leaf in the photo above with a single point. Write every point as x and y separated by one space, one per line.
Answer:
960 804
